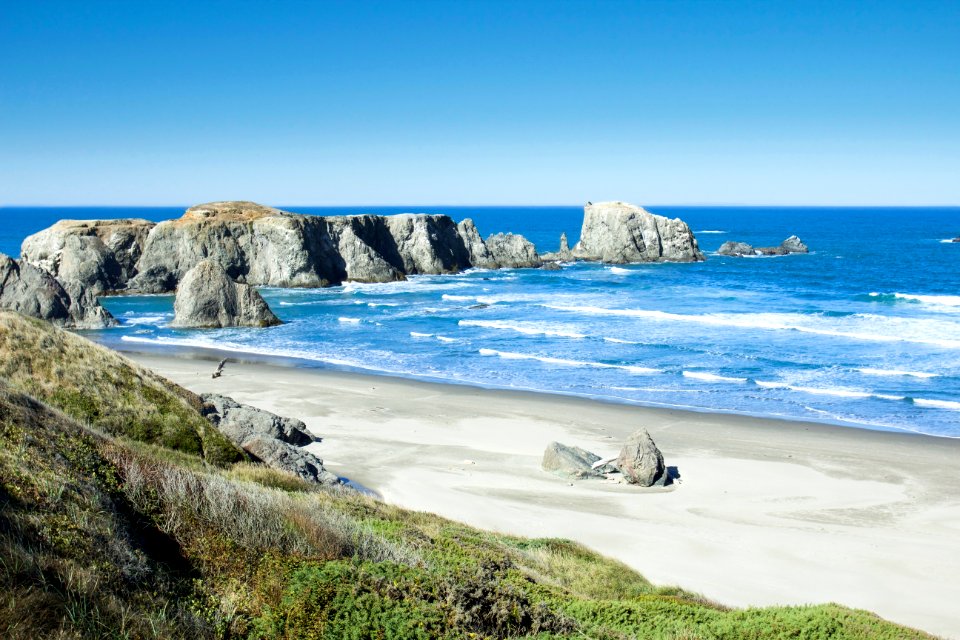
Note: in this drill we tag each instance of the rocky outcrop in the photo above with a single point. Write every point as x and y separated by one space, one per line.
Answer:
113 246
34 292
621 233
208 298
268 438
793 244
512 251
564 254
569 462
641 462
263 246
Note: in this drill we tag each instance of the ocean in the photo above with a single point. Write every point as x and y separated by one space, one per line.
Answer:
863 331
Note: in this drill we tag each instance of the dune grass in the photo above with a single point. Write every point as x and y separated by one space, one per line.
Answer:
107 536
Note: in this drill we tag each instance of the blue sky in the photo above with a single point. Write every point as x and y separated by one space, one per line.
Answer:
480 102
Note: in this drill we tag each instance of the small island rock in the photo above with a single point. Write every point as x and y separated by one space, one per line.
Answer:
512 251
208 298
640 460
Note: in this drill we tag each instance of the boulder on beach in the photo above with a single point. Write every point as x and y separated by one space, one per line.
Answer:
208 298
569 462
641 462
621 233
268 438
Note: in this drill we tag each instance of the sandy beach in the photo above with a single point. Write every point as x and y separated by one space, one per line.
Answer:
765 512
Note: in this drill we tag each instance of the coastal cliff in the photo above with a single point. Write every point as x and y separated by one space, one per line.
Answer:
621 233
262 246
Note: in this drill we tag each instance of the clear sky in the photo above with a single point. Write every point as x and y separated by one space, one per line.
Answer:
449 102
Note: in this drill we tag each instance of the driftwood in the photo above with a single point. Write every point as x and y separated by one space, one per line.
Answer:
219 371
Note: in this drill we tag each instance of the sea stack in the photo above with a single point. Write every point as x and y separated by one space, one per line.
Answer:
622 233
208 298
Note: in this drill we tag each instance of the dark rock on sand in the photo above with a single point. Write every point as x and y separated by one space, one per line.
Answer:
640 460
271 439
569 462
207 297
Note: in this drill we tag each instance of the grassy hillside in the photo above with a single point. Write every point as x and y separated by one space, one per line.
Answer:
109 537
105 390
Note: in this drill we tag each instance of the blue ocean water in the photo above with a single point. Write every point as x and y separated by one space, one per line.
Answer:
863 331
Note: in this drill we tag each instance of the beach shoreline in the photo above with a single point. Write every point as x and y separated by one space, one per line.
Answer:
765 511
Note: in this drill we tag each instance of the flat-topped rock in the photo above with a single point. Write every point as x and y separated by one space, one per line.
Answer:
263 246
208 298
793 244
621 233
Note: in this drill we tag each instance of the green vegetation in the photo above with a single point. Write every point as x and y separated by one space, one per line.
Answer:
104 536
101 388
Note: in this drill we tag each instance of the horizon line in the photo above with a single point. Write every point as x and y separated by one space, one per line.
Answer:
500 205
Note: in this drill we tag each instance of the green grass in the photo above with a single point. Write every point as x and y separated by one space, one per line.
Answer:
103 535
99 387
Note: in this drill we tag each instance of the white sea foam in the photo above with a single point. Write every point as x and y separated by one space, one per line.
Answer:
930 300
383 304
152 319
620 341
710 231
509 355
711 377
895 372
417 334
620 271
348 320
453 298
949 241
937 404
447 339
832 391
527 328
866 327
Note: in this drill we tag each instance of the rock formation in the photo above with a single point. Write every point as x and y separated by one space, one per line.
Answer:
620 233
267 437
513 251
641 462
34 292
793 244
569 462
207 297
564 254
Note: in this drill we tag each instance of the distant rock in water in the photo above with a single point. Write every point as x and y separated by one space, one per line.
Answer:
569 462
563 254
513 251
621 233
34 292
551 266
957 239
641 462
793 244
208 298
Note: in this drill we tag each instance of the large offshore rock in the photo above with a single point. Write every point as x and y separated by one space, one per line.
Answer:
620 233
254 244
736 249
512 251
640 460
208 298
569 462
261 246
477 250
115 245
